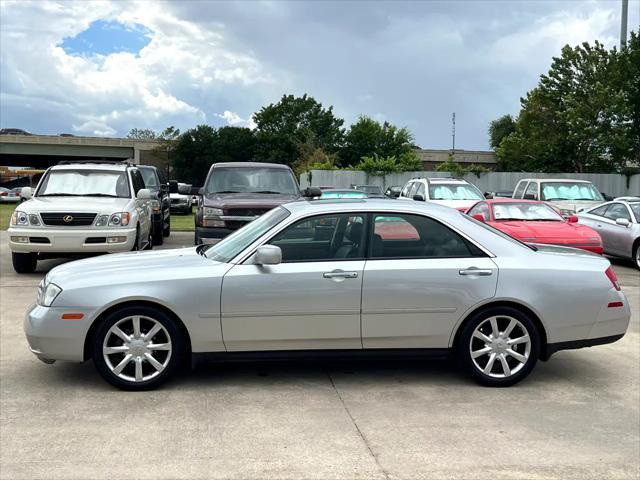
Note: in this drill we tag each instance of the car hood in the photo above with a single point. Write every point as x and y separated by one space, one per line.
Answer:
134 267
576 205
548 232
246 200
74 204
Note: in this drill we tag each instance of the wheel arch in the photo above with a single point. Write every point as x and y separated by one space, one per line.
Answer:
88 340
504 303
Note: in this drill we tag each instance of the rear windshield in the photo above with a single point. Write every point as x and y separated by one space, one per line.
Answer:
454 191
251 180
84 183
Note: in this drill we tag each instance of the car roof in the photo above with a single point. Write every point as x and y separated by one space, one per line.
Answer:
572 180
461 181
250 165
509 200
304 206
118 167
627 199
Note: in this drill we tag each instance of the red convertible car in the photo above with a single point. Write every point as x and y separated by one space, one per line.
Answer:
532 221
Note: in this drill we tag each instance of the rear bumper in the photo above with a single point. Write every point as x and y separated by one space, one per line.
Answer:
71 240
576 344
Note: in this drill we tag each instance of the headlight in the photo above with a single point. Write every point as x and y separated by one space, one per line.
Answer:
119 219
47 293
212 212
155 205
19 218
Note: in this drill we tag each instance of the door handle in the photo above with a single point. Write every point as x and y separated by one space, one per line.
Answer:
476 271
340 275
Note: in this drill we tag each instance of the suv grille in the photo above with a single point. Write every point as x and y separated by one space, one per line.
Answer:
68 219
246 212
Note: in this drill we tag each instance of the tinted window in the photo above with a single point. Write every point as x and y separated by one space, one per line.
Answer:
138 181
519 189
323 238
599 211
481 208
415 236
532 189
617 210
149 177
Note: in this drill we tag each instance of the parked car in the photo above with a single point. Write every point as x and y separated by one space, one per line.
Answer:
372 191
236 193
8 196
618 223
80 208
569 196
532 221
452 192
160 202
323 278
181 198
499 193
393 191
344 193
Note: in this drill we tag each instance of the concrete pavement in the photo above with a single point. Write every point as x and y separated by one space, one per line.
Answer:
577 416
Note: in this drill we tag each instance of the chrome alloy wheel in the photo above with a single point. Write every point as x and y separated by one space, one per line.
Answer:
137 348
500 346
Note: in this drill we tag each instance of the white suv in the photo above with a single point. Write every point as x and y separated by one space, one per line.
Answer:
81 207
452 192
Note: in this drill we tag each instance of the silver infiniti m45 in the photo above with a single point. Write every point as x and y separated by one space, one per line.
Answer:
331 277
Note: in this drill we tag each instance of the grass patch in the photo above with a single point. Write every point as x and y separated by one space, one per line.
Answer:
6 209
182 223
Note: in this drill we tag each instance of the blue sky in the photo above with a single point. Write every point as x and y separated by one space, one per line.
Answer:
120 65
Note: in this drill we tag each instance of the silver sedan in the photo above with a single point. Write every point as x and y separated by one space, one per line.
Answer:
331 278
618 223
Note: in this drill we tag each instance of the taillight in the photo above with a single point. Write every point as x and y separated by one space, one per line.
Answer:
611 275
3 194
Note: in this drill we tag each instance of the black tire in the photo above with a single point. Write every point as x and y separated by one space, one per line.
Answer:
24 262
158 235
174 360
167 230
136 243
636 254
504 315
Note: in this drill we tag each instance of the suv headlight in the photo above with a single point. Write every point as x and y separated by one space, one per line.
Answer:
19 218
119 219
47 293
212 213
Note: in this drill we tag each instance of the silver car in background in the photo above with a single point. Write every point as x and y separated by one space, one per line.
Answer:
331 277
618 223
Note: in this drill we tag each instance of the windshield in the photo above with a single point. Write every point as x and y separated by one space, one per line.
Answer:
343 194
232 245
149 177
525 211
251 180
368 188
555 191
635 208
92 183
454 191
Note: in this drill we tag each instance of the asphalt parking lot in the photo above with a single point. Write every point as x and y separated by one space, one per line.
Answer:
576 416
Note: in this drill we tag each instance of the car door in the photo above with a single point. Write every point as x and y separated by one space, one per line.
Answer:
615 237
420 278
311 300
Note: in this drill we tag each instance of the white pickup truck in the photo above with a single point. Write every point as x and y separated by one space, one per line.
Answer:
80 208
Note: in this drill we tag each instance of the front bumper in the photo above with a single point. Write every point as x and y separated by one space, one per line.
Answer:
51 338
71 240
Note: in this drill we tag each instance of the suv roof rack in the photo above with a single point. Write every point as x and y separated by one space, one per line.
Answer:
97 162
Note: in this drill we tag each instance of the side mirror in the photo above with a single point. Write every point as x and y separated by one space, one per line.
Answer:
622 221
488 195
26 193
268 255
164 188
418 198
479 217
173 186
143 194
311 192
572 219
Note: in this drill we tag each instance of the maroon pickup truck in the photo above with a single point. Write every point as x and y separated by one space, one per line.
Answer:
236 193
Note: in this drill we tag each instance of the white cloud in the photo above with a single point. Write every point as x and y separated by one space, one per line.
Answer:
235 120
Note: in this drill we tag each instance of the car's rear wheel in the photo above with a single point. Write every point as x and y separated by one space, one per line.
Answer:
636 254
499 346
138 348
24 262
167 228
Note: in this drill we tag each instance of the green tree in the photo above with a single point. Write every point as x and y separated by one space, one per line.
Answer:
281 129
193 154
234 144
368 137
580 117
499 129
142 134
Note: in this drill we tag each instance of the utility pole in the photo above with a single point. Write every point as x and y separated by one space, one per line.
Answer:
453 132
623 23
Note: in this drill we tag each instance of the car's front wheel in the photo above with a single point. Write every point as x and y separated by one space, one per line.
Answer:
499 346
636 254
24 262
158 234
138 348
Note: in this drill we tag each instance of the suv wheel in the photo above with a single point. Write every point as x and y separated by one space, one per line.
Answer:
24 262
158 235
499 346
138 348
167 229
136 243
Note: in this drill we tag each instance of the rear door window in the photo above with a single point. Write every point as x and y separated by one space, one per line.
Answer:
616 211
532 189
520 189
